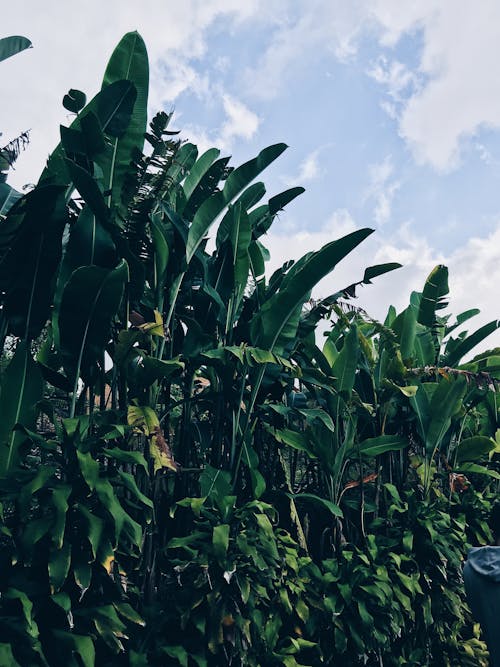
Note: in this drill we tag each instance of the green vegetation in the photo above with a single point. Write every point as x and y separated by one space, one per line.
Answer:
187 475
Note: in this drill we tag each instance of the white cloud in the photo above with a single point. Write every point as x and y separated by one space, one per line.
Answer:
72 45
299 39
309 170
382 190
462 93
239 122
451 94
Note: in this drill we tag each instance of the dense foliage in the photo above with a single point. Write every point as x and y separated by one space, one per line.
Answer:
188 476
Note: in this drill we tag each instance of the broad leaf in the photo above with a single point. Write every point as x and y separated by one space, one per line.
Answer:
470 342
284 306
380 445
474 448
435 288
322 502
236 182
129 61
89 303
20 391
30 251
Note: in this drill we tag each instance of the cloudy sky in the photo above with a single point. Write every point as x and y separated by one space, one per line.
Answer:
391 110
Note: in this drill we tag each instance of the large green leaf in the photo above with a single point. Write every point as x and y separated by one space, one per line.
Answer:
241 236
469 343
82 645
261 218
129 61
405 326
345 365
435 288
90 243
7 657
236 182
477 469
89 303
20 391
284 306
316 500
474 448
8 196
461 319
199 169
245 201
113 107
445 403
32 246
9 46
381 444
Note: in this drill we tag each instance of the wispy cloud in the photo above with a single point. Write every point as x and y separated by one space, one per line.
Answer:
462 89
239 122
382 189
309 169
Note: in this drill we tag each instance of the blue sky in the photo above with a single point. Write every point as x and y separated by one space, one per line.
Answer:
391 112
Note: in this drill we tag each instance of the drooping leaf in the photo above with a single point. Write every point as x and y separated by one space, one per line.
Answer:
444 405
145 419
317 500
60 495
236 182
82 645
283 306
379 270
20 391
89 303
58 565
199 169
74 100
9 46
30 250
469 343
345 365
220 541
435 289
381 444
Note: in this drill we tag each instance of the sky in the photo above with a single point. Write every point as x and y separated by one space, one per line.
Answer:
390 109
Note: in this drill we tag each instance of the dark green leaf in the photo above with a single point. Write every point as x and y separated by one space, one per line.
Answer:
20 391
9 46
236 182
74 100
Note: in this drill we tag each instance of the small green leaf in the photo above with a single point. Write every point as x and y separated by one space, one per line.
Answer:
312 498
220 541
74 100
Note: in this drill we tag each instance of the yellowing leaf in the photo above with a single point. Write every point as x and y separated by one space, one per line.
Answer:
108 564
160 452
154 328
143 419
